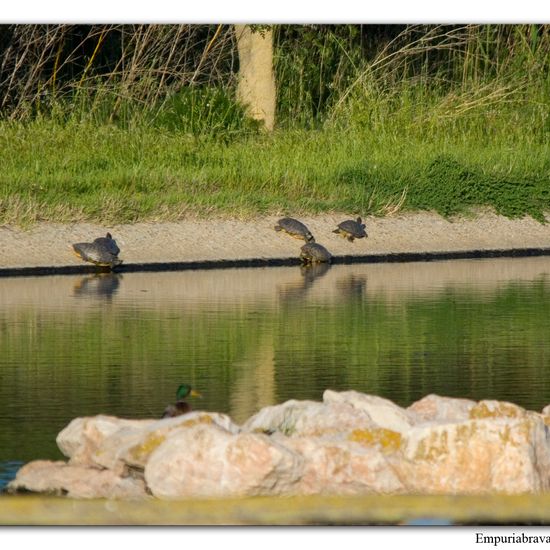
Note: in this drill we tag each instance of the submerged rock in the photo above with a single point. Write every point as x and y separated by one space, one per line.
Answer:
350 443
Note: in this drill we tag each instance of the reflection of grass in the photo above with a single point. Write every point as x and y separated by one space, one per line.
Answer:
129 362
459 344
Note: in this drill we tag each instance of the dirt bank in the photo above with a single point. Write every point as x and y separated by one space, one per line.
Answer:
48 244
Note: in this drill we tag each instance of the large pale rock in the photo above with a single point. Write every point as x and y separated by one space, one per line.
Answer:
308 418
132 445
509 455
83 436
383 412
209 461
43 476
498 409
347 467
442 409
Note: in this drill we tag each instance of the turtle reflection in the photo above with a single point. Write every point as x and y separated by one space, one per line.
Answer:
310 273
99 285
314 271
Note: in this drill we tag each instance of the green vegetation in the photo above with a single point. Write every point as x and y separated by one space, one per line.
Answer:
117 124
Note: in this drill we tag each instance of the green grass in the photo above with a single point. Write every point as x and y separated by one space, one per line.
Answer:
76 172
431 118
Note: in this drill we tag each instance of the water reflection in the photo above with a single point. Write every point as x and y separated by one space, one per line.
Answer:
98 285
352 287
248 338
297 290
311 272
8 470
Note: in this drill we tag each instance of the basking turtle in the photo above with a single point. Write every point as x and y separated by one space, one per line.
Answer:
295 229
102 252
109 243
351 229
313 253
181 406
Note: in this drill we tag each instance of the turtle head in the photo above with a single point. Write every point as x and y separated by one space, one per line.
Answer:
185 390
359 220
109 236
310 238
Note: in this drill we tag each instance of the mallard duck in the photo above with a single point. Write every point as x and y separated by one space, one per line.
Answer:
181 406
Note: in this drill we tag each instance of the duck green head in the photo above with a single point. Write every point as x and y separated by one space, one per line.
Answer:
185 390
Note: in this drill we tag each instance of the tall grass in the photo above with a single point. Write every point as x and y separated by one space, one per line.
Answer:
109 73
140 122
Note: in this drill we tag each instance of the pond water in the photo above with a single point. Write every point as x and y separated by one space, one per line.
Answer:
247 338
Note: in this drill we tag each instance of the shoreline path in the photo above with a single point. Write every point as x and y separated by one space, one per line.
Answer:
48 245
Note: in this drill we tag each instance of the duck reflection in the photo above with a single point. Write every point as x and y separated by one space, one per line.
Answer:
99 285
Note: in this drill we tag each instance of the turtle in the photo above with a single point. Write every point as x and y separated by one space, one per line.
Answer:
351 229
181 406
109 243
295 229
312 253
101 252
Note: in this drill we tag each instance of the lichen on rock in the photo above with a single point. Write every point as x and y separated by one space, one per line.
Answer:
350 443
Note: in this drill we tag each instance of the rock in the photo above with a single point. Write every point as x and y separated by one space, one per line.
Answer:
208 461
132 446
443 409
344 467
80 439
383 412
504 454
497 409
350 444
308 418
59 478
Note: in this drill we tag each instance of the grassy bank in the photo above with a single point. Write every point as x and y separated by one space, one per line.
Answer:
79 172
439 118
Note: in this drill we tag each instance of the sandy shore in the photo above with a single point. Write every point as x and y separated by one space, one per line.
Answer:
49 244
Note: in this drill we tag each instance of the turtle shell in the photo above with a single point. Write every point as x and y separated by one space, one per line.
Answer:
96 254
294 228
109 243
352 228
315 253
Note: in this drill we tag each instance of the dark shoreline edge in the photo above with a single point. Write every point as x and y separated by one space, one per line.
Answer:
399 257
